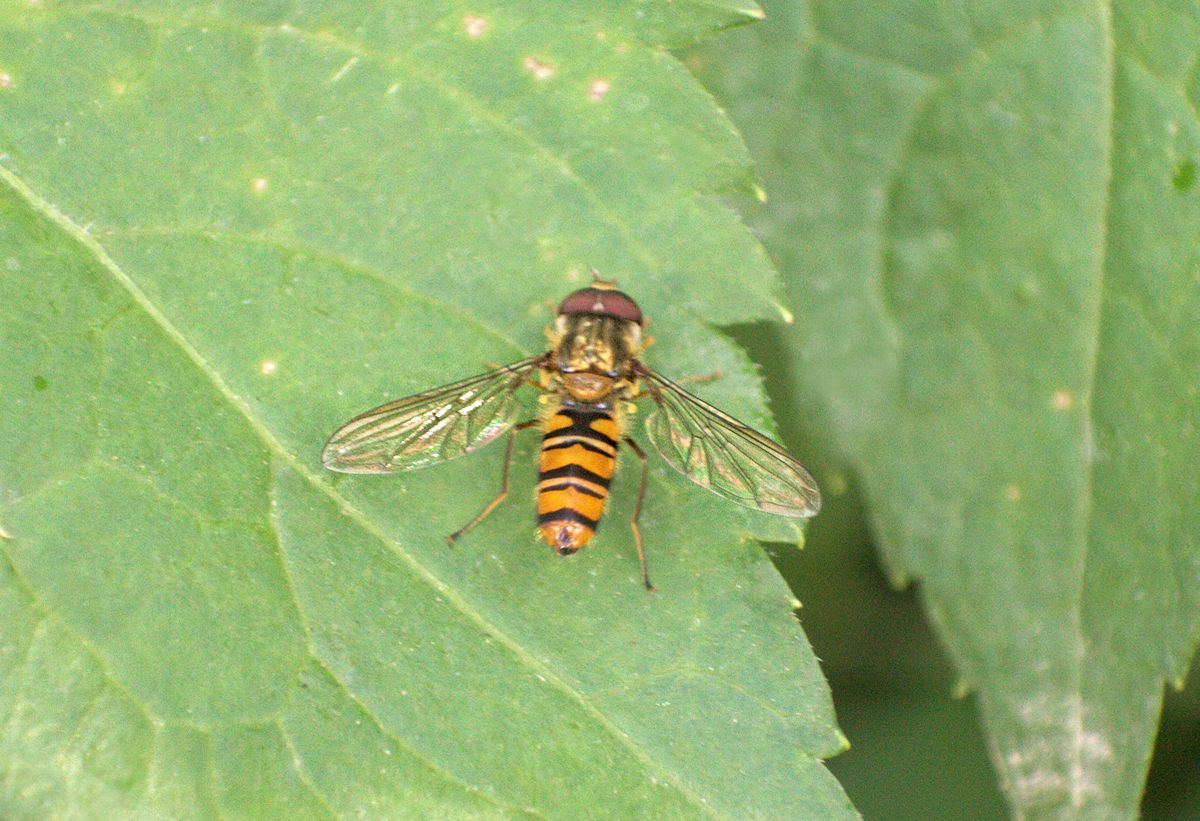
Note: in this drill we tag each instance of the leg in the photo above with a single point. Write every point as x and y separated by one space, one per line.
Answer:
637 512
512 437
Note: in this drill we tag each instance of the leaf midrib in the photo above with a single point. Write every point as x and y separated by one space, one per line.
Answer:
1078 779
80 237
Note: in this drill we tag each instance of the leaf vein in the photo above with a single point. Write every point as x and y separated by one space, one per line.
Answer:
340 261
447 90
1080 783
416 754
302 771
46 612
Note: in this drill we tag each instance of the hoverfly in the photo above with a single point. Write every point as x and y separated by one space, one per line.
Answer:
588 379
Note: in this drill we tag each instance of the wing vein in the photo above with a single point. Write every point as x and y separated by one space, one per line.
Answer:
724 455
430 427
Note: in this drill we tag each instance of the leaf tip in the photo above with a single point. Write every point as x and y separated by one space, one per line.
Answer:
787 316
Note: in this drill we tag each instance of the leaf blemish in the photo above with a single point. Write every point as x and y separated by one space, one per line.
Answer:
1029 290
344 70
1185 176
1062 400
267 367
6 80
540 70
838 485
475 26
1012 493
597 89
259 185
40 383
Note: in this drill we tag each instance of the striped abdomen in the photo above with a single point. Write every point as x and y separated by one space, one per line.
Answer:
579 454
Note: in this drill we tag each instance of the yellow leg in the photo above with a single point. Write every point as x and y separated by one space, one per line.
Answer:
637 512
490 506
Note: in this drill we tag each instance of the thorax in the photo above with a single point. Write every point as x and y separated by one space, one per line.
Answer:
593 358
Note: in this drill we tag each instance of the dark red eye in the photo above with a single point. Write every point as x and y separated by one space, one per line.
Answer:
603 302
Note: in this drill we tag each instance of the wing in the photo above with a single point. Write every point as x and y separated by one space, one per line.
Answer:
720 453
430 427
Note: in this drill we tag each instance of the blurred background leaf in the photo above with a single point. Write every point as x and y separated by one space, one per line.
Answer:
229 227
986 215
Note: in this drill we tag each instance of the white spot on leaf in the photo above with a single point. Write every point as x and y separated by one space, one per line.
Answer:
1060 757
1062 400
539 69
597 89
474 25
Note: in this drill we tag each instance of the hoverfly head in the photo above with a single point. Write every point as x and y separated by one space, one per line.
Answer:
602 299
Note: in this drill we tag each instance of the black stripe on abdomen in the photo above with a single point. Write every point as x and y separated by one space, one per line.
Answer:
575 486
566 442
581 425
566 514
574 471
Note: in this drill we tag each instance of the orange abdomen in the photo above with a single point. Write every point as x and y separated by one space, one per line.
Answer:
579 455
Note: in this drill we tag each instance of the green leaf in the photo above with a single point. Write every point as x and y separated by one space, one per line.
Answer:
227 229
987 219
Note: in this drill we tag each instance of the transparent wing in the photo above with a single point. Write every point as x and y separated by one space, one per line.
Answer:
720 453
430 427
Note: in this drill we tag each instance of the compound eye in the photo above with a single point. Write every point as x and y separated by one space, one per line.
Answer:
602 302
